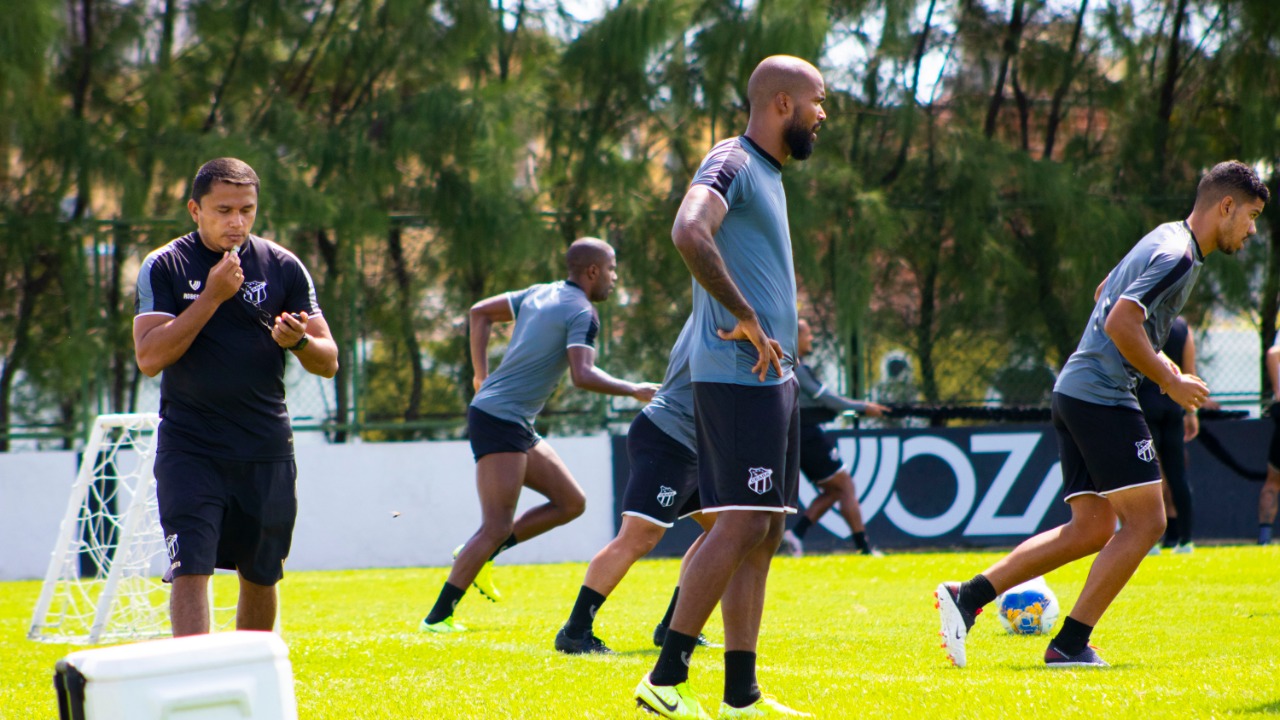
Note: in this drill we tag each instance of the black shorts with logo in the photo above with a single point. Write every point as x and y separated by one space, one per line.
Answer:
491 434
1103 448
663 484
228 514
819 456
748 446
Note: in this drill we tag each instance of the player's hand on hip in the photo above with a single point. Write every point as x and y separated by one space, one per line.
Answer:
476 382
1188 391
645 391
289 329
769 350
225 278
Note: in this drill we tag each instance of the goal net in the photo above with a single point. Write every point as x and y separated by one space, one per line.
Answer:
104 578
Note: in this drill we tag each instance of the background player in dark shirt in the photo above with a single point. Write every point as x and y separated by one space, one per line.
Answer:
820 457
217 309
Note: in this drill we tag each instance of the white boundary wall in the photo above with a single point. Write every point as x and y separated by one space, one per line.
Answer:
347 497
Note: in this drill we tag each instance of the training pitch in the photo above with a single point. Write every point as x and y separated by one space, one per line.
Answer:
844 636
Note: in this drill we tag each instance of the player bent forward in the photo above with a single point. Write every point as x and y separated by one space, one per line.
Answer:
1109 467
556 326
662 488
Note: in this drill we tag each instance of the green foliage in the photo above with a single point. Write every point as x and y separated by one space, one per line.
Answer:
843 636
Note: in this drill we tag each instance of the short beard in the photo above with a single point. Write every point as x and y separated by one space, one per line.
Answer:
799 140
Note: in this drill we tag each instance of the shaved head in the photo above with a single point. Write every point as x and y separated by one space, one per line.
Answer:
585 252
780 73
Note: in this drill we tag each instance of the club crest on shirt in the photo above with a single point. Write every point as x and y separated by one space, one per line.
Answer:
195 284
760 480
254 291
1146 450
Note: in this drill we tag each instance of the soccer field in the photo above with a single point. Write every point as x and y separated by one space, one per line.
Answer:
844 636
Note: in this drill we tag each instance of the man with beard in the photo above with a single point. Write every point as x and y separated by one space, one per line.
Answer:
732 232
1109 468
556 328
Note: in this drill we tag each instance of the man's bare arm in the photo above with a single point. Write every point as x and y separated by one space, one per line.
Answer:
694 234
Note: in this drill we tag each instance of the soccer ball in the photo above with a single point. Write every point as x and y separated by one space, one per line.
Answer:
1028 609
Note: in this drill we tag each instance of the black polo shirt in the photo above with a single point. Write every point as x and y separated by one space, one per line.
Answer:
225 396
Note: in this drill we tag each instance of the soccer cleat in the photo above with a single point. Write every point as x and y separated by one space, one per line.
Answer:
1184 549
588 644
1154 551
766 707
660 636
791 545
447 625
1055 658
669 701
955 621
484 579
871 552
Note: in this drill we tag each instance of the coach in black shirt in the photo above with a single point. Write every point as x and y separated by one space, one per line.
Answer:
216 311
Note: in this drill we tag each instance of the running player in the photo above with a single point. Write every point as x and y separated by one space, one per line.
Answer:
820 457
556 328
732 232
662 488
1109 468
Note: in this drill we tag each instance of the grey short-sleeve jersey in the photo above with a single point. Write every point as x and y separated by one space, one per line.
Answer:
550 319
672 408
755 241
815 395
1158 274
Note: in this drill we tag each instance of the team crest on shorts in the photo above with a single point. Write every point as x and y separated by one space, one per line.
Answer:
171 542
1146 450
666 496
760 480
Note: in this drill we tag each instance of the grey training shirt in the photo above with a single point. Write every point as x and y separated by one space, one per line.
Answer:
550 319
755 242
1158 274
672 408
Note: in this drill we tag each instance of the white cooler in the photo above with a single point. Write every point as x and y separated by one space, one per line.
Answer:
238 675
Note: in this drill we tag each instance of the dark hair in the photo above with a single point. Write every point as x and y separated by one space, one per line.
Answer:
1232 178
227 170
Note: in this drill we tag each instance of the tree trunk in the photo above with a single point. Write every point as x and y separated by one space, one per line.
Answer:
332 280
1060 94
1168 89
407 311
33 285
1012 39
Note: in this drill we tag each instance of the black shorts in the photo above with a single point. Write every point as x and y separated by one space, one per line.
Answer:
1273 455
491 434
226 514
1103 448
748 446
819 456
663 484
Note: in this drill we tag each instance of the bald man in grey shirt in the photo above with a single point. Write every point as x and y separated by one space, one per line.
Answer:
1109 468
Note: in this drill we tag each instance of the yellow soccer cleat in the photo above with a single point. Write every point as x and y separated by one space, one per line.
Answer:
766 707
447 625
484 579
669 701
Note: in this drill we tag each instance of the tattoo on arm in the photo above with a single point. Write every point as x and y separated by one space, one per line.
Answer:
703 259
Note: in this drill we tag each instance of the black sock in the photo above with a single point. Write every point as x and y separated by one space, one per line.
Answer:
505 544
740 688
672 667
584 612
448 600
1264 533
802 527
860 540
671 609
1073 638
1170 532
975 594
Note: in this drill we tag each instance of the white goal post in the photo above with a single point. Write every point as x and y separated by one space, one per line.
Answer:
104 578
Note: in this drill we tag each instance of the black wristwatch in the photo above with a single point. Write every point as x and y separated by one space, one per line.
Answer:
301 343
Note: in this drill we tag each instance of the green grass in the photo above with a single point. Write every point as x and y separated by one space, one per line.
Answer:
843 637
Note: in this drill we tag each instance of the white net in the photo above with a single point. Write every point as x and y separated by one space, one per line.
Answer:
104 578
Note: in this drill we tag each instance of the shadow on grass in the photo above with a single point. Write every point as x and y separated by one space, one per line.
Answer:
1271 708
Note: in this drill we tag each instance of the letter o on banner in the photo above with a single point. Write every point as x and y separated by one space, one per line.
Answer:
966 489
